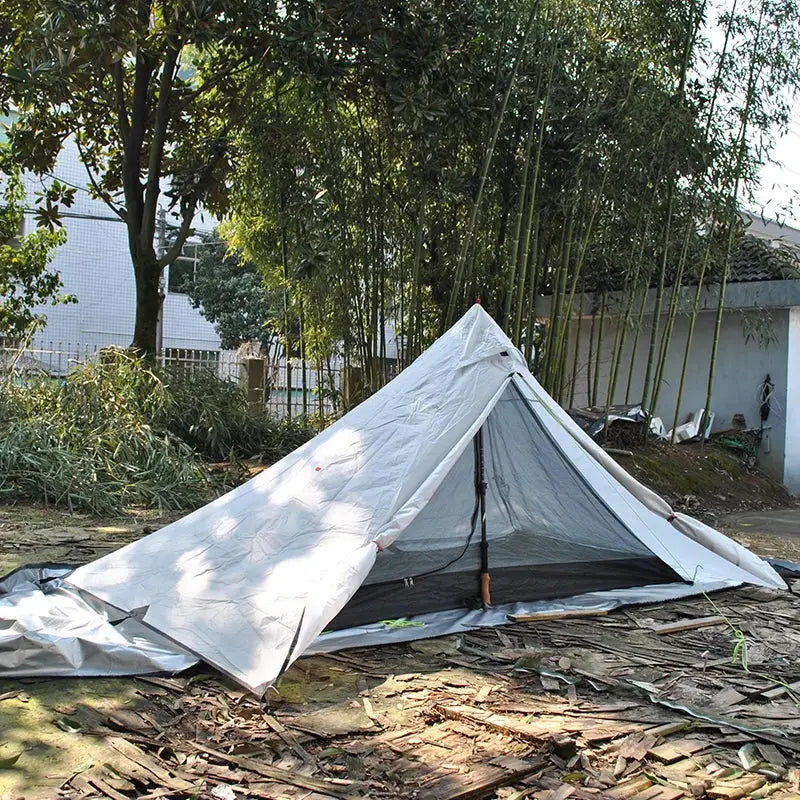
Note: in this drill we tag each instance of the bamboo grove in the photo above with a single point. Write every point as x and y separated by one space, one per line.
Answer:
578 166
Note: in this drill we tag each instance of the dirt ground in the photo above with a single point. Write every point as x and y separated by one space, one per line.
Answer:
590 708
705 481
35 535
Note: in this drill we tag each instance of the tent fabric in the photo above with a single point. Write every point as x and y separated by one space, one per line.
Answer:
249 581
698 531
384 501
49 628
565 542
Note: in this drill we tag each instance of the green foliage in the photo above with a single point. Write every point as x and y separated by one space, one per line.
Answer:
149 92
385 163
87 443
116 433
214 418
25 281
619 161
231 294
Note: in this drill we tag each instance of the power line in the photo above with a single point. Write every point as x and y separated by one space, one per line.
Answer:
78 215
98 218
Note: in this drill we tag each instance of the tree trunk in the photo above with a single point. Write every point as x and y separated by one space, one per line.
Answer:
148 306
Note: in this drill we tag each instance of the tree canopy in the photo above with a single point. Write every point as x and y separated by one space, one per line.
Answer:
506 151
384 163
149 92
231 294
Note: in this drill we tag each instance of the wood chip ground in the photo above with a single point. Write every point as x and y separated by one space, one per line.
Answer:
693 699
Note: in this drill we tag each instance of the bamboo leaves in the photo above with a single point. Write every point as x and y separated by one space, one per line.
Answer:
556 159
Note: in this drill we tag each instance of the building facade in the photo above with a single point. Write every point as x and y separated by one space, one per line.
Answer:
95 266
759 342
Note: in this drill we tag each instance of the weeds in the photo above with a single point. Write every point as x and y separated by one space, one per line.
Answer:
117 433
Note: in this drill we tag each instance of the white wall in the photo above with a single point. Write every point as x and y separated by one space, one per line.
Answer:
95 266
791 476
740 370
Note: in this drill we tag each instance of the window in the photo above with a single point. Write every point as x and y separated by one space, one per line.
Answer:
181 272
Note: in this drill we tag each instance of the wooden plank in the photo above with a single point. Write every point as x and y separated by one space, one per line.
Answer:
560 793
635 746
138 756
663 793
288 738
771 754
513 727
668 728
544 616
779 691
688 625
605 733
165 683
623 791
727 697
106 789
674 751
737 790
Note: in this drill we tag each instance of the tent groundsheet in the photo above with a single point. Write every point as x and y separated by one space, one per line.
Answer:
387 513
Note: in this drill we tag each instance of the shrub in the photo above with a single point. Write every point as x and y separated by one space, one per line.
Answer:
213 416
117 433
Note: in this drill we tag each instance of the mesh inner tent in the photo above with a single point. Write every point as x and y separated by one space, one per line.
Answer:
550 534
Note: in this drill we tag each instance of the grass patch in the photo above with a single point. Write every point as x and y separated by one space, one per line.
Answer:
214 418
715 480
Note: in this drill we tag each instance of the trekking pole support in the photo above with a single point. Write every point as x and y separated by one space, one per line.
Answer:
486 596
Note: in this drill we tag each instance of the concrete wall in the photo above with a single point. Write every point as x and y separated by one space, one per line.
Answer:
791 475
740 370
95 266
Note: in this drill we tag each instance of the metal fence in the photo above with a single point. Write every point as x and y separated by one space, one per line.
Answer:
284 388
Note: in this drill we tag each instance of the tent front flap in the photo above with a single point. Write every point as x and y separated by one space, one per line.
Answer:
690 559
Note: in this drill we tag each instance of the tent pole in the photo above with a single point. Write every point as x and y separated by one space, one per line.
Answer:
486 596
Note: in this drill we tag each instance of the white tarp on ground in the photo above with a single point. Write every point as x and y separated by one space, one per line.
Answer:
250 581
49 628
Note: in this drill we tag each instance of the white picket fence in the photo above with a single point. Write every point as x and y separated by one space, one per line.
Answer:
286 390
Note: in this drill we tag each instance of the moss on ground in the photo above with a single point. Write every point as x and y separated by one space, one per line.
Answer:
42 725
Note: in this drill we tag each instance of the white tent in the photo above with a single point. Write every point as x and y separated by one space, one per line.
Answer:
460 467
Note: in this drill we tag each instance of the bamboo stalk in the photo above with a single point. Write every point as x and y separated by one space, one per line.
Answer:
517 232
599 349
659 296
576 353
484 172
707 253
526 233
740 151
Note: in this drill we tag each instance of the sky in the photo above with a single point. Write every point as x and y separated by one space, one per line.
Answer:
778 197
